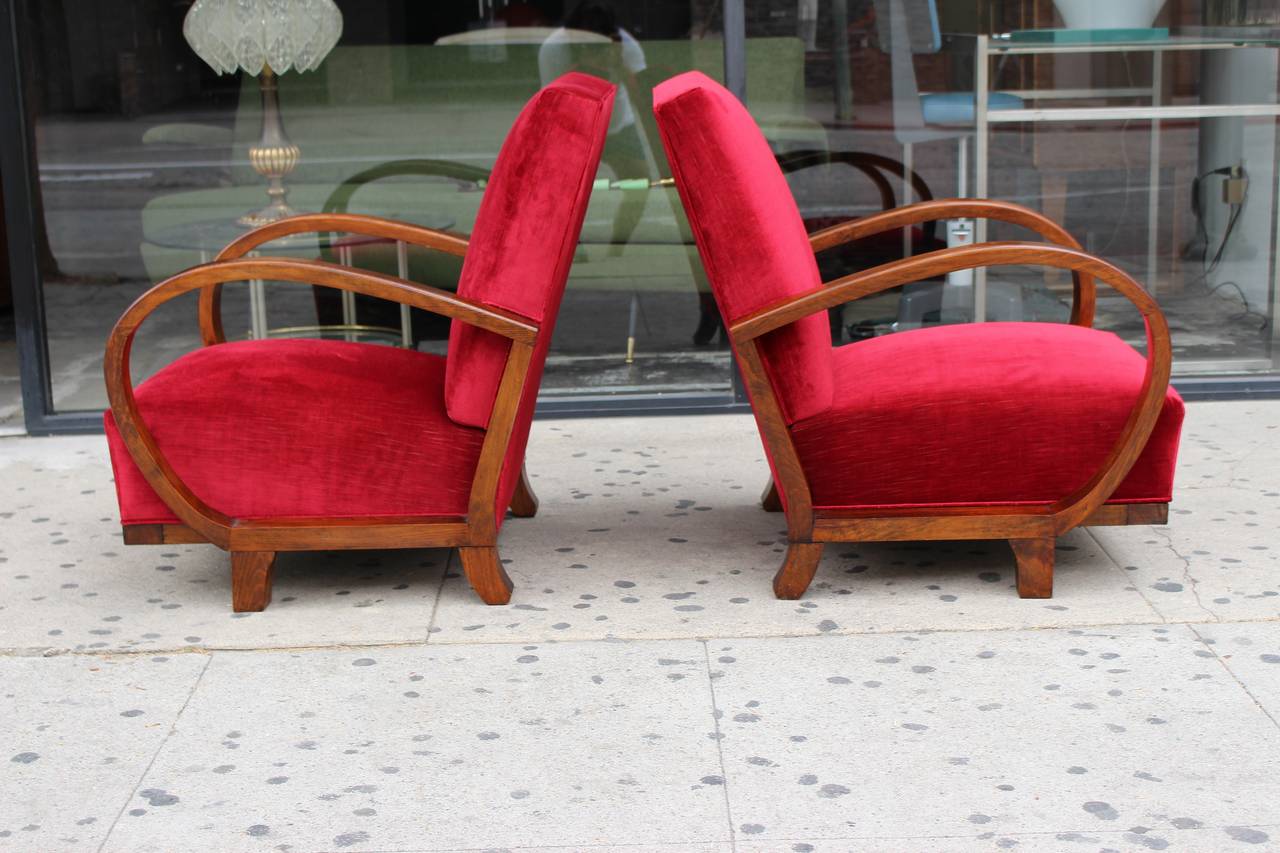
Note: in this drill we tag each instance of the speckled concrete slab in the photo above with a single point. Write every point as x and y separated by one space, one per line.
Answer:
421 748
1252 653
1135 839
76 735
67 581
1218 559
650 527
723 847
1231 444
958 735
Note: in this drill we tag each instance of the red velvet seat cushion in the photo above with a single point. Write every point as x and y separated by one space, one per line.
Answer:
749 232
302 428
990 413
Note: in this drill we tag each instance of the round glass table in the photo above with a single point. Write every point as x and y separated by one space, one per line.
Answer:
208 237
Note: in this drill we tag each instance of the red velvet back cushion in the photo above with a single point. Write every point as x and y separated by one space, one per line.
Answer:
525 233
521 248
749 232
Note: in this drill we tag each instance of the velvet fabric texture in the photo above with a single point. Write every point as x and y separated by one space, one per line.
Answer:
985 414
302 428
522 245
976 415
748 230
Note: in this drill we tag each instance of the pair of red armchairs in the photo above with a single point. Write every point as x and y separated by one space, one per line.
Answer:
1000 430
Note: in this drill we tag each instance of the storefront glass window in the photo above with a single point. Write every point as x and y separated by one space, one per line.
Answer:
143 156
1187 209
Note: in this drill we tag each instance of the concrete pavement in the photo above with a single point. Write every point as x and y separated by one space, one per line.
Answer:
644 691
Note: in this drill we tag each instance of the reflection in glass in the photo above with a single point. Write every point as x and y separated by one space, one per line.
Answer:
1189 210
144 165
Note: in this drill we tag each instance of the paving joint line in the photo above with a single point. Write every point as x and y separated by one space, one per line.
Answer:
715 719
1234 677
435 606
163 741
40 651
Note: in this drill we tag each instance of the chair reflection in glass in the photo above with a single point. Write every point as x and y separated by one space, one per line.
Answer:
906 28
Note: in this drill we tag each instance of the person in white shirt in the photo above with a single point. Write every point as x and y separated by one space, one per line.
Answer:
570 48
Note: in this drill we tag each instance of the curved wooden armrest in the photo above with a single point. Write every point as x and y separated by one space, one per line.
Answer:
1080 504
1084 296
207 521
211 331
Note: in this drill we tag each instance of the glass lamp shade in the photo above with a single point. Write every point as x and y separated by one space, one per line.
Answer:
253 34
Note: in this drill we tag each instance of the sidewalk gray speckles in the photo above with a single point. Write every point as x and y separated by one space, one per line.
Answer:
76 735
1217 560
961 734
68 582
721 586
1251 651
378 706
1137 839
483 746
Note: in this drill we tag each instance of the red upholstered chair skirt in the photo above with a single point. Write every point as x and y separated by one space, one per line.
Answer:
366 433
986 414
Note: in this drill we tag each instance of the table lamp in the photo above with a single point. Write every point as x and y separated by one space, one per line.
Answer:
265 38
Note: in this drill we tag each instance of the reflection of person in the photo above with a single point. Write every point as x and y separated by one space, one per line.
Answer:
624 150
594 16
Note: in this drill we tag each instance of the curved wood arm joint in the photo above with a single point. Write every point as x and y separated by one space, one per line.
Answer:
211 330
1084 296
1084 501
207 521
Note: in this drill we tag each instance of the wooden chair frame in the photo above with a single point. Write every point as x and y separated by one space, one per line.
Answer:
253 543
1031 530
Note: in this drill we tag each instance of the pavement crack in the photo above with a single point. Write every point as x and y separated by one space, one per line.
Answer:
1231 472
1191 583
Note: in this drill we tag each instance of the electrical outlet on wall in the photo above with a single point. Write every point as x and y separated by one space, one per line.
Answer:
960 233
1235 186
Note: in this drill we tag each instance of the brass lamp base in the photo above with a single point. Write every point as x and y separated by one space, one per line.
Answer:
265 216
273 157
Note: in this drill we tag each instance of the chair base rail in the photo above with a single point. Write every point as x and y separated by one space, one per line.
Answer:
968 523
253 548
315 534
1030 535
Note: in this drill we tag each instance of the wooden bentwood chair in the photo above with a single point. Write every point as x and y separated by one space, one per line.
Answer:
1017 431
297 445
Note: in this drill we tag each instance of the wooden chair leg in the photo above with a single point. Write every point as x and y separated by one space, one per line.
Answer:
1035 567
524 503
770 500
797 569
251 580
485 572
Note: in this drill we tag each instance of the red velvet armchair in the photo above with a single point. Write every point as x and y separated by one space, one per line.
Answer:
1017 431
296 445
